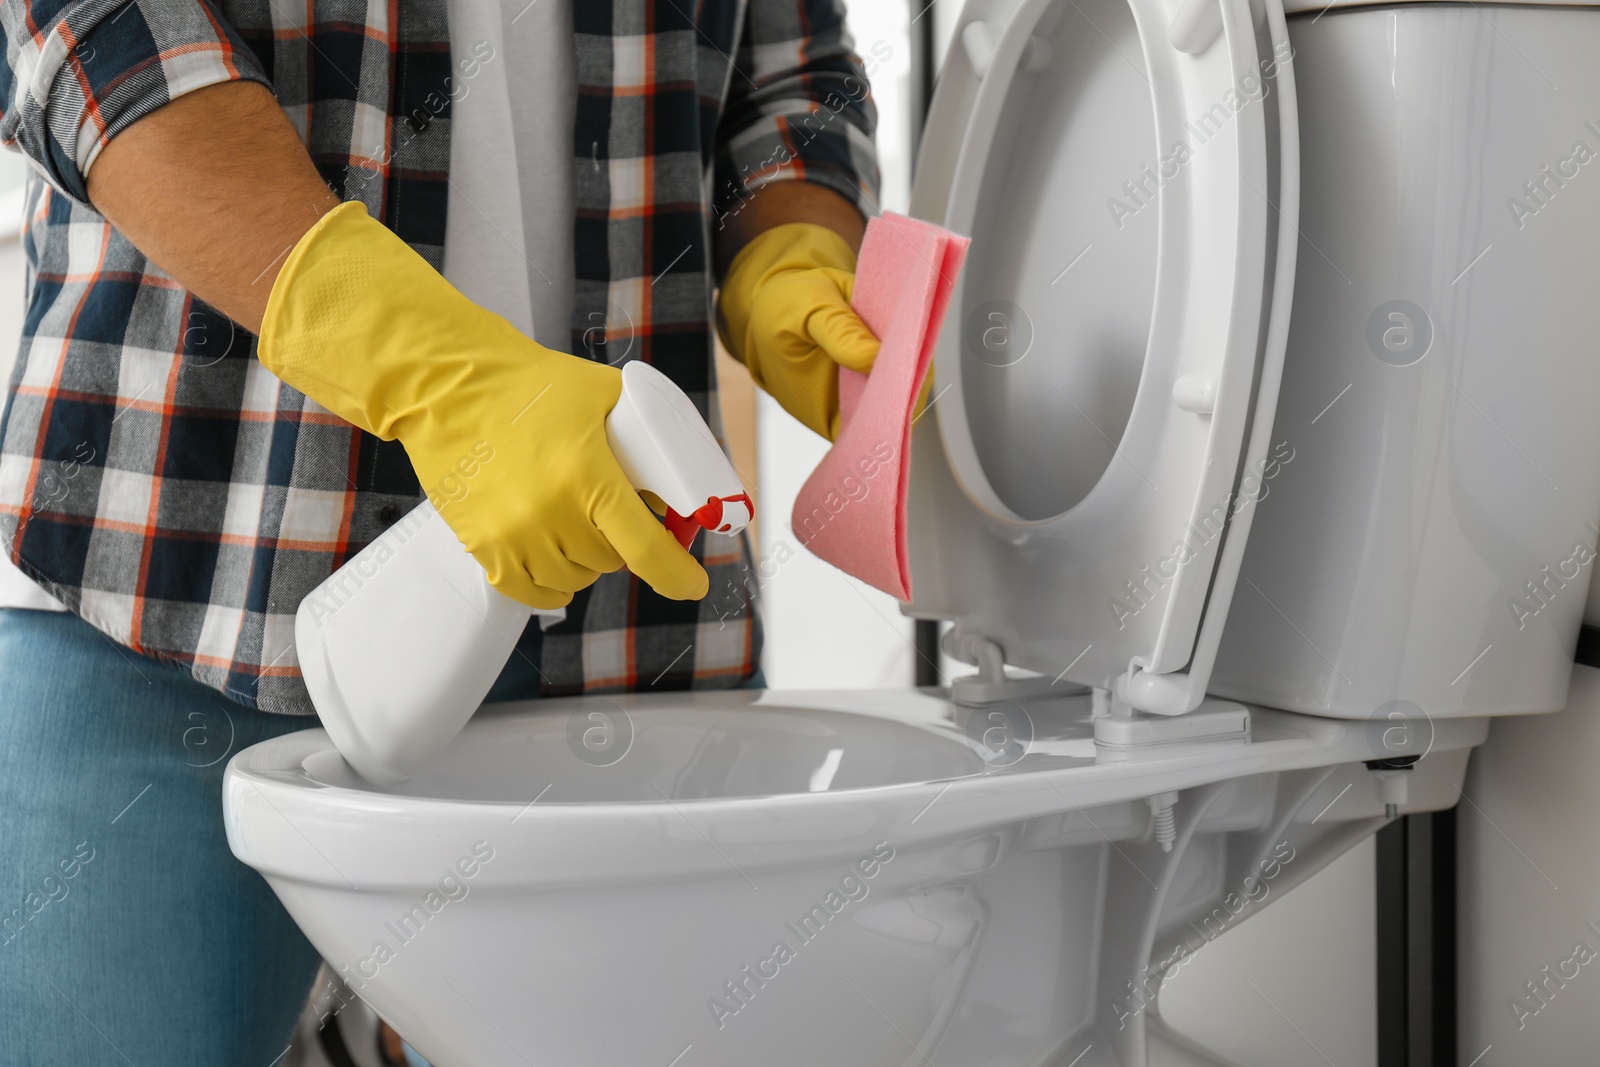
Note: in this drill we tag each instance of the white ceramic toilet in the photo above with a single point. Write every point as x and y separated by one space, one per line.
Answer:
1237 590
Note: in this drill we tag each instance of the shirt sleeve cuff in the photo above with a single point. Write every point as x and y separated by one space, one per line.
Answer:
101 67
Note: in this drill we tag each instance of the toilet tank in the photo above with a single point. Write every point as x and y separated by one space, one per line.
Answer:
1426 532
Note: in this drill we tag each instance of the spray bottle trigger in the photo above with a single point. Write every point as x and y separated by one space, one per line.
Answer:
682 527
713 515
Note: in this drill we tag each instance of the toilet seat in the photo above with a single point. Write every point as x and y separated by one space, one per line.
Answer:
1112 569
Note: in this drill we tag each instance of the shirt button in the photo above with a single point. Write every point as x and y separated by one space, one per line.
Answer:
419 120
388 514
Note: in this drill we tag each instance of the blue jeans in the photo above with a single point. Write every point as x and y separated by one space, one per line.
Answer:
129 934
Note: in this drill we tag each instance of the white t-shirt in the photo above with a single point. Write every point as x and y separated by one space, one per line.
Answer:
508 234
508 228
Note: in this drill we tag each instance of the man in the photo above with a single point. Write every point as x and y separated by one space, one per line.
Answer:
241 362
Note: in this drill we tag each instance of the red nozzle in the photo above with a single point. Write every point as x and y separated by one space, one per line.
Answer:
708 516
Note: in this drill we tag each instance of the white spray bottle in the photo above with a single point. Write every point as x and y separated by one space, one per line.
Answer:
401 644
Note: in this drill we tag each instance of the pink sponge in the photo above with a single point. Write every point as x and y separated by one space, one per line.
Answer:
852 510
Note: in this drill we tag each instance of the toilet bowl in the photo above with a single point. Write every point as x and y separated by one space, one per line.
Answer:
1260 478
800 878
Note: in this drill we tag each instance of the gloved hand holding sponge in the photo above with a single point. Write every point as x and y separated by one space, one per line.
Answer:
363 325
786 314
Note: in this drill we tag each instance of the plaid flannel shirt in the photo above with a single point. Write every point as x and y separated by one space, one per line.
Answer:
171 491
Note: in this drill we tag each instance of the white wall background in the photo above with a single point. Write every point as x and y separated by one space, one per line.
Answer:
1530 888
1293 986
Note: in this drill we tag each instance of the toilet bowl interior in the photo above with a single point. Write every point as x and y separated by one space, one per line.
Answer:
630 752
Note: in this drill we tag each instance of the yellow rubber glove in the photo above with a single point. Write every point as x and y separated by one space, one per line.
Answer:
786 314
507 437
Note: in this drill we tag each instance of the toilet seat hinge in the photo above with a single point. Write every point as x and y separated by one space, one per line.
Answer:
991 684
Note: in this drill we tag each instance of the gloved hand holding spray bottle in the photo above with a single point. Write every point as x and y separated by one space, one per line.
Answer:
401 645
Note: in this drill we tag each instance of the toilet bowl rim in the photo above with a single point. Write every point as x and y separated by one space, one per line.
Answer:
384 839
278 762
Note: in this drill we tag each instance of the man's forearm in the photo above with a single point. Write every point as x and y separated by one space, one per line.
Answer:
785 202
215 188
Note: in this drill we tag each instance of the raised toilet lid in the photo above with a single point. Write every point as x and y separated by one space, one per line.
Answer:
1107 374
